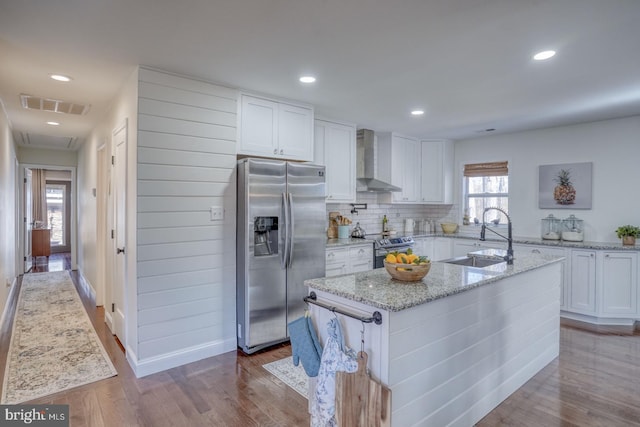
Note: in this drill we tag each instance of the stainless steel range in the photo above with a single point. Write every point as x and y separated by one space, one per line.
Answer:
389 244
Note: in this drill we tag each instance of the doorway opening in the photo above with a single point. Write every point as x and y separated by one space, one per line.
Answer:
59 215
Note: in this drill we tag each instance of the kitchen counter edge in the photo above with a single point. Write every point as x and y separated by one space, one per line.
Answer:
377 289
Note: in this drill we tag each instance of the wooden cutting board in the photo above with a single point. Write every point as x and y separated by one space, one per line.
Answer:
361 400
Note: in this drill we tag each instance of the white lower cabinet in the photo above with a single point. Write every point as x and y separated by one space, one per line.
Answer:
618 290
442 248
582 284
360 258
423 246
348 259
336 261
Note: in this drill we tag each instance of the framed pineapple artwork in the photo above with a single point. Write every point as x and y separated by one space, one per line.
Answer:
565 186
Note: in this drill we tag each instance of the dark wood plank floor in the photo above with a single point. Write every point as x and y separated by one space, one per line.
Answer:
594 382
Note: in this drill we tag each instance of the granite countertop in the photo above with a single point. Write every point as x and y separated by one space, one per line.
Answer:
611 246
377 289
614 246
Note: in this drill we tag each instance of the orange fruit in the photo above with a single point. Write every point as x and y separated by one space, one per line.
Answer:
391 258
402 258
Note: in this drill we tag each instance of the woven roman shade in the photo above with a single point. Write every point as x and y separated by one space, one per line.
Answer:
487 169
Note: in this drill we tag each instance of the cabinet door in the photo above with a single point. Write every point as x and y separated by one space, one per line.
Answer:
436 172
405 172
336 261
258 126
295 132
340 160
442 248
618 287
423 247
360 258
582 289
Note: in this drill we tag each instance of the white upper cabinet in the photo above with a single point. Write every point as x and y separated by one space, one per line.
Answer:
275 129
335 147
436 172
404 154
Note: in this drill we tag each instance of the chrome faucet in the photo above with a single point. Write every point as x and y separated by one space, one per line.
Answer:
509 239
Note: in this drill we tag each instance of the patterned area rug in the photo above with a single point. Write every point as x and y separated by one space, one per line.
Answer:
53 344
293 376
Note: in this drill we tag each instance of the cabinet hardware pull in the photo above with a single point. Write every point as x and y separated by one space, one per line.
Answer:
275 151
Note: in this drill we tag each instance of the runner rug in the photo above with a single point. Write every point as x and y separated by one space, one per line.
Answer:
53 344
293 376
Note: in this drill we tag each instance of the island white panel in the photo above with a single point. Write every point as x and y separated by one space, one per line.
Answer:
456 358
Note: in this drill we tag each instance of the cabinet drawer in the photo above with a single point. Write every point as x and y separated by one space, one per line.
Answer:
360 253
336 256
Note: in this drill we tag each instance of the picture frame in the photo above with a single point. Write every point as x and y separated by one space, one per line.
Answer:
565 186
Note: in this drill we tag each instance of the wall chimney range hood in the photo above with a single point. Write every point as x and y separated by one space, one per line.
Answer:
366 166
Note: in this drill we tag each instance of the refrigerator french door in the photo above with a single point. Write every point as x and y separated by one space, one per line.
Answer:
281 243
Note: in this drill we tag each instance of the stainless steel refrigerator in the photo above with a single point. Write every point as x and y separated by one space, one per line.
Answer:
280 243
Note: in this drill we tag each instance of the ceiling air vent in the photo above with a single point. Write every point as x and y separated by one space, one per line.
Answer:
54 105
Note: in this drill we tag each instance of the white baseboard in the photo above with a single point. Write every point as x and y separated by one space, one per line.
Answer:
6 303
87 284
603 321
108 319
163 362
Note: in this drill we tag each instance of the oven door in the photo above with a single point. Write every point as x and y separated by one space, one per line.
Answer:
381 253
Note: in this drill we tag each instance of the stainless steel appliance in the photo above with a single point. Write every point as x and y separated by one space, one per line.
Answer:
381 247
280 243
366 166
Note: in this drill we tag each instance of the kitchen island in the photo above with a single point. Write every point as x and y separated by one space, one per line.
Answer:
454 345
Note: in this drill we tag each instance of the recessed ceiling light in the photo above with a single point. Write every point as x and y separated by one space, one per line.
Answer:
307 79
417 112
60 77
53 123
541 56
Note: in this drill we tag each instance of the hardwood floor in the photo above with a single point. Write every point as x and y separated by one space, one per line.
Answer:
55 262
594 382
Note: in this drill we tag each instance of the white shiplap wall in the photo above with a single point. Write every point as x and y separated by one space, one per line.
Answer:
186 164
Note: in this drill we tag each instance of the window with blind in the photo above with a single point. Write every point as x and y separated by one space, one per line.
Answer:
487 185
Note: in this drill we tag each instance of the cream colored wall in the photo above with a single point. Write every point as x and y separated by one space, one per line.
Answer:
42 156
123 108
8 194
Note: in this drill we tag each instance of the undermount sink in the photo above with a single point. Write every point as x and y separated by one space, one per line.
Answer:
473 261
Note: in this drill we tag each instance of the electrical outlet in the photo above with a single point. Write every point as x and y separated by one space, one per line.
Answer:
217 213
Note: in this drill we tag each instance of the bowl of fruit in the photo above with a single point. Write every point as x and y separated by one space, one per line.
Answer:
407 267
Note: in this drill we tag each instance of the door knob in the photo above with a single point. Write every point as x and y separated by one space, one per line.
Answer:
119 250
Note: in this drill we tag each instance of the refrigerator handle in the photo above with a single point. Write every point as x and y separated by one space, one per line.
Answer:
285 229
290 234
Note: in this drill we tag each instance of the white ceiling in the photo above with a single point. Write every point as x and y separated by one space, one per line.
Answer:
467 63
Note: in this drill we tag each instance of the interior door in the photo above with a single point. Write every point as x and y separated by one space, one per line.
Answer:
28 220
119 276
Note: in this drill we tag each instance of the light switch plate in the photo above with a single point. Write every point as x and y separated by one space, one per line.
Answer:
217 213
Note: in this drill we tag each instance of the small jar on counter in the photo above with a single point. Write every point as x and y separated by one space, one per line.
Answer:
551 228
572 229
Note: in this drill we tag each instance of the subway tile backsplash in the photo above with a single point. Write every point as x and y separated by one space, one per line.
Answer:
371 218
